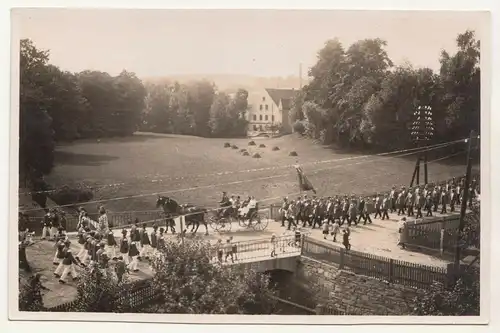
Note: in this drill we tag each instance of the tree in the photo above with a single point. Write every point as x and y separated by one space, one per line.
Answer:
200 98
461 80
192 283
228 114
36 142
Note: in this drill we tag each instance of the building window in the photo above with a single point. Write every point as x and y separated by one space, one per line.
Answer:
260 117
263 98
254 127
260 107
267 107
254 117
266 117
272 118
260 127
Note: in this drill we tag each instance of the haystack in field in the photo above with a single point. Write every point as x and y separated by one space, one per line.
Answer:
234 146
227 145
276 148
293 153
262 145
243 150
246 153
256 155
251 143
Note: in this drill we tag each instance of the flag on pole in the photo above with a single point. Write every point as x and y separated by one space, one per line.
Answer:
304 183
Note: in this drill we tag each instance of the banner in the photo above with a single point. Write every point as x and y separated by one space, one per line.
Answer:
304 183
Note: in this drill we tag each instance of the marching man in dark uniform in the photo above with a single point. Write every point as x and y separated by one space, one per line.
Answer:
419 203
124 247
393 197
385 207
69 262
410 202
400 203
47 224
428 205
378 206
61 254
111 245
444 201
453 200
145 243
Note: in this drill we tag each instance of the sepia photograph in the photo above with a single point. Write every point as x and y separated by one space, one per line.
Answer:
259 163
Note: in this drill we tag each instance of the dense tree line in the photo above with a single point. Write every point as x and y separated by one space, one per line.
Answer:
196 108
57 105
358 98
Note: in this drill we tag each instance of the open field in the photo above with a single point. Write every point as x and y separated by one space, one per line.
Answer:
197 170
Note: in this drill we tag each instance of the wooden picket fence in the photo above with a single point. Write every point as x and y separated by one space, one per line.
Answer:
391 270
134 296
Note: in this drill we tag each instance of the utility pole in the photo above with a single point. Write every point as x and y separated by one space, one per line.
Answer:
422 131
465 198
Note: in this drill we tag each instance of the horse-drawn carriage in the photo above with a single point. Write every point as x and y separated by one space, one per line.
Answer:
221 220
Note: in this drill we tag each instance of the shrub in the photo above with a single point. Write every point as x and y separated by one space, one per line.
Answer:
256 155
71 195
299 127
251 143
227 145
234 146
245 153
276 148
262 145
243 150
293 153
190 282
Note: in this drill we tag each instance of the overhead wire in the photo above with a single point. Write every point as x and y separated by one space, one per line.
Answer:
225 173
217 185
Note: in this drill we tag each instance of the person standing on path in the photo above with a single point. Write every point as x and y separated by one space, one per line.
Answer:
403 233
335 229
283 209
345 242
326 228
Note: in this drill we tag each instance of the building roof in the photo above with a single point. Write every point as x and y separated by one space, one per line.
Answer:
283 95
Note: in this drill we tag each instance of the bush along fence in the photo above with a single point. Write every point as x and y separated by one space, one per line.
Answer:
391 270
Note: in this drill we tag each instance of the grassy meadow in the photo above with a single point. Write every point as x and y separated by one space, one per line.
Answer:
196 170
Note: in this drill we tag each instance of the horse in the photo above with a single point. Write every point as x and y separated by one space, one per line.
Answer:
194 215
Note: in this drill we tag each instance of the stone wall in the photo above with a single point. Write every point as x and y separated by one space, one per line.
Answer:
349 293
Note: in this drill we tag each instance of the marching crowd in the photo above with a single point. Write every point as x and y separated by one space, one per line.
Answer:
332 213
98 245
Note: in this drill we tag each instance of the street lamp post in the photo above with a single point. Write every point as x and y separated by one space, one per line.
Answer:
422 131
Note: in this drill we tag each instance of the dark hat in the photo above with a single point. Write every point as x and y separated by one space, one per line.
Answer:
162 229
155 226
124 231
67 241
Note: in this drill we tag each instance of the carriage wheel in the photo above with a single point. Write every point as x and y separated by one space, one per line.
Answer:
223 225
212 220
259 223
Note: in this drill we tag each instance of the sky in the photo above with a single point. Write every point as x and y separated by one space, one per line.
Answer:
157 43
